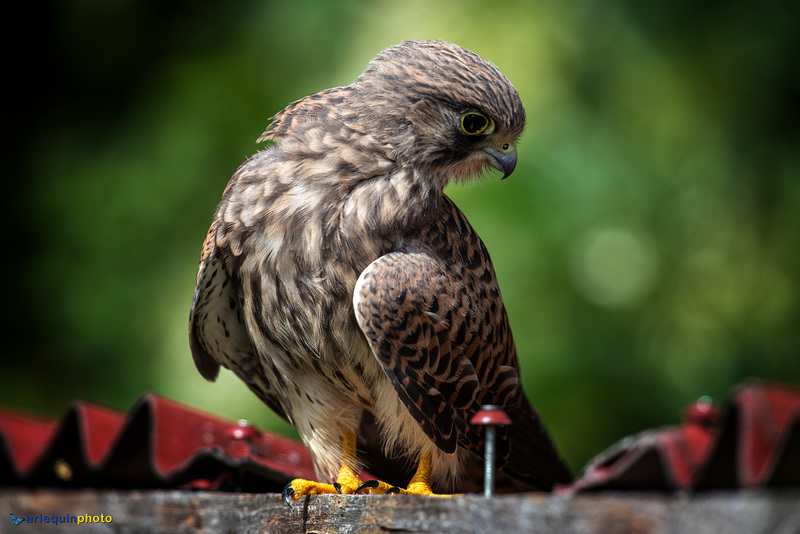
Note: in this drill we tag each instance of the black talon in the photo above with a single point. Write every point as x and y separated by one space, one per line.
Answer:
287 493
337 487
392 490
367 484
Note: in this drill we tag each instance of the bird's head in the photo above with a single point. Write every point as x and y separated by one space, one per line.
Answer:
442 108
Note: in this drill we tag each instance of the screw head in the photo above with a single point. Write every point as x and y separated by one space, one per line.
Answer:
702 412
490 414
243 430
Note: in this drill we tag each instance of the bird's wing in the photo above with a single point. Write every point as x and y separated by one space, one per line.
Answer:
205 331
440 330
217 332
428 333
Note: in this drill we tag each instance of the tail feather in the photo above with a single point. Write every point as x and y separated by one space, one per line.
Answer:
531 454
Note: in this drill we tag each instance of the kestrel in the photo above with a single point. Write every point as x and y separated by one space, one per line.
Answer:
353 297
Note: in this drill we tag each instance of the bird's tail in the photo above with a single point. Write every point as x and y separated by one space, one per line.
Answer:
532 457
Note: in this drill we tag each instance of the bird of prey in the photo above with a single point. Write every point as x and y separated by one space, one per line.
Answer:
353 297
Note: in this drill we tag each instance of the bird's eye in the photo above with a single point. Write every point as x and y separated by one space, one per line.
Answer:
474 123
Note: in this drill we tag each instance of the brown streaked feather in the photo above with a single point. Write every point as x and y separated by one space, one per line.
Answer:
311 108
398 301
205 363
217 333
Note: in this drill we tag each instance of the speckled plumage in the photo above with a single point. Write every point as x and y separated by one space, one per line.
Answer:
350 294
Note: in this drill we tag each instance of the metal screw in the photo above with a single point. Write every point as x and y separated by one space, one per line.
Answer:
243 438
490 416
702 412
244 430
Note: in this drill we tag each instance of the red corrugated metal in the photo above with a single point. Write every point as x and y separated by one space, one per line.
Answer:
159 443
753 442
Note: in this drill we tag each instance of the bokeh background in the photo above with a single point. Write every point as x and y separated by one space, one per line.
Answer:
648 245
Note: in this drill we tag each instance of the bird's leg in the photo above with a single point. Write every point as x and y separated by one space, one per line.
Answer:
348 481
420 483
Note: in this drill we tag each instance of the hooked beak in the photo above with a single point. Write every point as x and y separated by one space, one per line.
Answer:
502 161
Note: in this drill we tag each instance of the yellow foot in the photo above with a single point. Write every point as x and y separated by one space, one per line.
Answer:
419 484
414 488
298 488
348 482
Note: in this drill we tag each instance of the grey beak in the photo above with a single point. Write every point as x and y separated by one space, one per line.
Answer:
505 162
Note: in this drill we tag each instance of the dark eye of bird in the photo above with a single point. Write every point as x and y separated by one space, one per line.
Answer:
473 123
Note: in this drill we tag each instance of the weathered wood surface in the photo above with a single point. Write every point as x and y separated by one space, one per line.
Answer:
745 512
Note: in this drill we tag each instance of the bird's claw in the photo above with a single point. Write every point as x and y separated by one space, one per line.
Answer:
338 487
392 490
368 484
288 492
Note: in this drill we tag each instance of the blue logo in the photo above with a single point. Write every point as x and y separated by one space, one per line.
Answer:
17 520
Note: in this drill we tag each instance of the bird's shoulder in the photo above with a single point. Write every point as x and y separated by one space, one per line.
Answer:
452 238
316 107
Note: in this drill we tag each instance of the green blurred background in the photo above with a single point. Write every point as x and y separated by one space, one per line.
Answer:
648 245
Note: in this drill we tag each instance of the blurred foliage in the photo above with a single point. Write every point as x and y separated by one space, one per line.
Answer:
647 245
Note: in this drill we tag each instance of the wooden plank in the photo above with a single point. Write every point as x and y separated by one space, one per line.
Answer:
745 512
